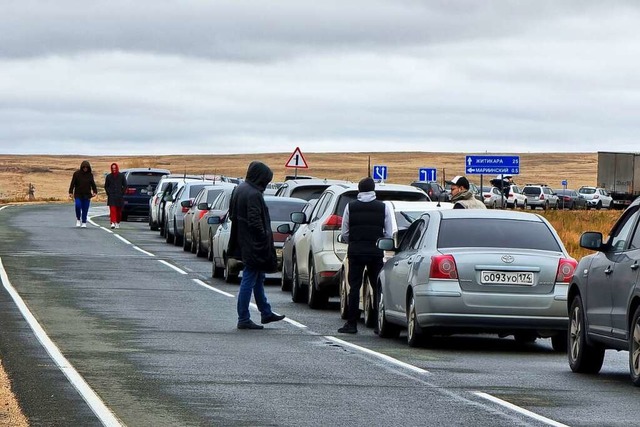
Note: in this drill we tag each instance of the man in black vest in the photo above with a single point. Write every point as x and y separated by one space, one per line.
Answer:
364 221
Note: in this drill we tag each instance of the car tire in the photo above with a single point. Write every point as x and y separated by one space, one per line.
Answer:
370 312
194 242
297 293
216 272
524 206
599 206
414 331
583 357
385 329
177 240
344 296
210 250
285 282
560 342
634 348
545 207
315 298
199 252
187 245
169 238
229 276
495 205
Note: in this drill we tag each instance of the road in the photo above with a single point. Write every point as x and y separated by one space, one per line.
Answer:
142 324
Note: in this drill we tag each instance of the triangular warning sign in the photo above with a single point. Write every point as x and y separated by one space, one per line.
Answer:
296 160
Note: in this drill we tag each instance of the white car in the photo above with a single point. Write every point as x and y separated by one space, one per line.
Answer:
516 198
596 197
165 186
493 198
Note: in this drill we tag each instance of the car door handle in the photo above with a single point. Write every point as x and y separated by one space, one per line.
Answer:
635 266
608 270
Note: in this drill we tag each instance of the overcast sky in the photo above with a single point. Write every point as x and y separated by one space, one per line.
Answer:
105 77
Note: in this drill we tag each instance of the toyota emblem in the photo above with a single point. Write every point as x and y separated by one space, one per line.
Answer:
507 259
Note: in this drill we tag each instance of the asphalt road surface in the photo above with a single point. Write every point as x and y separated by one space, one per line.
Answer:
136 332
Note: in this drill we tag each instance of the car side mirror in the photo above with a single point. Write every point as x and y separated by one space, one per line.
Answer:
284 229
298 218
386 244
591 240
340 239
203 206
186 203
214 220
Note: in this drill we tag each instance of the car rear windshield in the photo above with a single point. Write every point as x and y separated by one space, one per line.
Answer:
144 178
282 211
308 192
496 233
587 190
531 191
404 196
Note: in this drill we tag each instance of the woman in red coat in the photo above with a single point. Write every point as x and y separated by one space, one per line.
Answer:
115 185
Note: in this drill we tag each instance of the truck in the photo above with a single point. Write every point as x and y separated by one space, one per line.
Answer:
619 174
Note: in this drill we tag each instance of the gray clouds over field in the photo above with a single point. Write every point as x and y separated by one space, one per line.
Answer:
170 77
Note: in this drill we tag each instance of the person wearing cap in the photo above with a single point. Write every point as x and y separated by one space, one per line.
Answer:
364 221
461 197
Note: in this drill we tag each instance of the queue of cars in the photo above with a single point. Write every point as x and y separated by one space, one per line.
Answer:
446 271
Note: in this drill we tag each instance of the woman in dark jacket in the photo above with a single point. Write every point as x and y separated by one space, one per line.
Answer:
251 239
115 185
82 189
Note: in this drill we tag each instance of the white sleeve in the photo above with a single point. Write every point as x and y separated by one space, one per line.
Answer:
345 224
390 227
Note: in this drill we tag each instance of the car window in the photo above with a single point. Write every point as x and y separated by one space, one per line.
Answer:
587 190
144 178
308 192
282 211
622 230
282 189
195 189
531 191
412 235
321 206
496 233
635 240
212 195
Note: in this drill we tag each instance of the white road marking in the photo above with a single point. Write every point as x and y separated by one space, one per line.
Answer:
98 407
143 251
519 409
294 323
378 355
123 239
201 283
172 266
107 230
4 207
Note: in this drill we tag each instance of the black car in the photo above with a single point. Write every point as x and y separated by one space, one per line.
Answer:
604 297
570 199
141 183
434 190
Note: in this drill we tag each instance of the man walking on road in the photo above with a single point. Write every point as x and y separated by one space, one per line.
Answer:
462 198
252 241
364 221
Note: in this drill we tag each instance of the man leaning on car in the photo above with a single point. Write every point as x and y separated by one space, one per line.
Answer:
462 198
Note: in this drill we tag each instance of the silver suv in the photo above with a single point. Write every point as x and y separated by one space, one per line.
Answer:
540 196
318 255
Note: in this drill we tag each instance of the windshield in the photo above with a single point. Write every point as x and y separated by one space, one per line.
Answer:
281 212
587 190
144 178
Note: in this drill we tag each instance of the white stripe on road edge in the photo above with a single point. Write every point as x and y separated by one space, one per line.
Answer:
93 400
294 323
4 207
107 230
172 266
143 251
379 355
201 283
519 409
123 239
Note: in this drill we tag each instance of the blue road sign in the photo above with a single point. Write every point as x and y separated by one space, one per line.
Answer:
427 174
479 165
380 172
564 183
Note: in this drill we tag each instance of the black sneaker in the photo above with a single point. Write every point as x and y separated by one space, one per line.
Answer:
348 328
249 325
272 318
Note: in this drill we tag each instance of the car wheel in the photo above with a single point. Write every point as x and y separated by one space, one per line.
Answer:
599 206
285 282
559 342
199 252
186 244
297 294
370 315
229 276
344 295
545 207
210 249
495 205
169 238
194 242
315 298
177 240
634 348
414 331
524 205
583 357
525 337
385 329
216 272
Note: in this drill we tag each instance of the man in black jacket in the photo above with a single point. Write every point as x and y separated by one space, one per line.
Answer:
252 241
364 221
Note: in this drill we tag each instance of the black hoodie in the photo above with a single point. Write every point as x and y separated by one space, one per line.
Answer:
251 238
82 184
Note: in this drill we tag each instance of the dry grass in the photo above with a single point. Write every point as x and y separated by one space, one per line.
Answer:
10 413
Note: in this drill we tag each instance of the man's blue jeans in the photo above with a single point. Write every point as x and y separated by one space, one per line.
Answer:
252 280
82 208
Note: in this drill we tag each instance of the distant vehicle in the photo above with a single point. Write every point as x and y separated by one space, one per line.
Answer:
434 190
570 199
480 270
181 201
475 190
205 231
540 196
141 183
596 197
156 202
516 199
306 188
619 176
604 298
493 198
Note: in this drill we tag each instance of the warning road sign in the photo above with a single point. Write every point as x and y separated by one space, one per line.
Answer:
296 160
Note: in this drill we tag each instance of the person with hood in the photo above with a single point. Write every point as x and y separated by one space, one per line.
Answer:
251 240
82 189
115 184
461 197
364 221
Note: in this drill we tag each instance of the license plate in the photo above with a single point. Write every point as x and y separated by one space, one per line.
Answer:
143 191
506 278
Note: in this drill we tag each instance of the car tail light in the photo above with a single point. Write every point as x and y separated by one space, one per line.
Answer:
567 198
334 222
328 273
487 196
443 267
566 267
185 209
130 190
542 197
